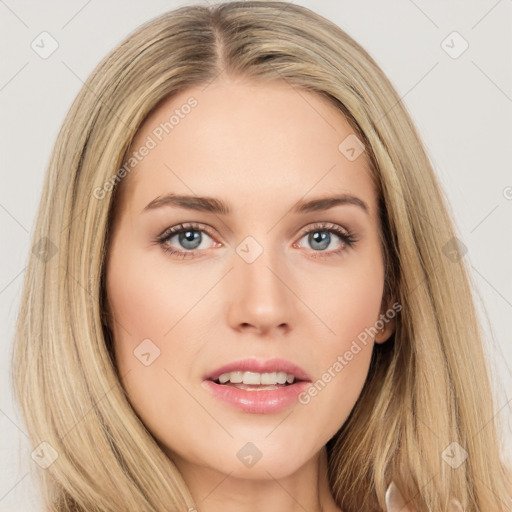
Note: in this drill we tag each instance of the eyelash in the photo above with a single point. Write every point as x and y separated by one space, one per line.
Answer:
348 239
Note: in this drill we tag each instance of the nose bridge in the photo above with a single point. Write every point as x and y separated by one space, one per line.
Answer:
258 294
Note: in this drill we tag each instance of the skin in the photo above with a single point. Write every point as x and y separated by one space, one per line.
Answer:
261 148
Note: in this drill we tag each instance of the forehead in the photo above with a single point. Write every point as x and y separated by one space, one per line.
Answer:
252 143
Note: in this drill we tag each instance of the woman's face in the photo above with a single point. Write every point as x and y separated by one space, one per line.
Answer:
259 272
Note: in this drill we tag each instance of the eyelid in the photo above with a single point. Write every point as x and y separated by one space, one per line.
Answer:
203 227
183 226
326 226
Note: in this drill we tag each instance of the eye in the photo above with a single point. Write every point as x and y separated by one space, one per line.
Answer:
189 237
320 237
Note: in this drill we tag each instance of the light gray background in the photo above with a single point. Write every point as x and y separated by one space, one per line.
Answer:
462 107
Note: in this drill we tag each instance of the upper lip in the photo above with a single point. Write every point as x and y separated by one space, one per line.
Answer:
258 366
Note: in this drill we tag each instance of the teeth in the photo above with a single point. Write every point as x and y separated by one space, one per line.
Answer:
236 377
252 378
255 378
282 377
224 378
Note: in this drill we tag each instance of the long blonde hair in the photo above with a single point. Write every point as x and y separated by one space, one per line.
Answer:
427 387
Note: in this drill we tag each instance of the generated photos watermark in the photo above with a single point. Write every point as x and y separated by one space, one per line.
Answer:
343 360
151 142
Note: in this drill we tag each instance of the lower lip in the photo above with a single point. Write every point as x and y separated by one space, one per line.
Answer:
259 402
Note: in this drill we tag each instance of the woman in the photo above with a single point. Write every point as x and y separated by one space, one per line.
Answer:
188 341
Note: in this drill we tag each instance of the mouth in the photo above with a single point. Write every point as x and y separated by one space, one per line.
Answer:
257 373
258 386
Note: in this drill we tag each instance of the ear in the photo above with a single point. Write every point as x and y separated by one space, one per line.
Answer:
385 323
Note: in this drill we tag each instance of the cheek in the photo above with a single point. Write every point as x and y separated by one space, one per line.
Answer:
147 299
349 307
156 333
348 298
146 308
344 364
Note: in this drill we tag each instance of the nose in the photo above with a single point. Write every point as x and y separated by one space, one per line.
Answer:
259 294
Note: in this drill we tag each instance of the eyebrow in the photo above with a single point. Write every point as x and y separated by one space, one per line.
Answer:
217 206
